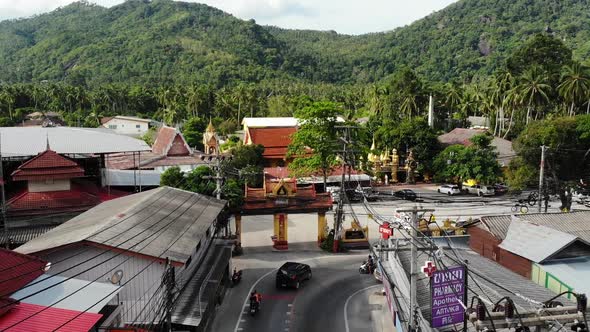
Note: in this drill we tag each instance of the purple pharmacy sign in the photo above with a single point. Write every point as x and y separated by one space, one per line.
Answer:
447 293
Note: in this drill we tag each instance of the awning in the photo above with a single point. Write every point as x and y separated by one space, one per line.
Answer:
92 298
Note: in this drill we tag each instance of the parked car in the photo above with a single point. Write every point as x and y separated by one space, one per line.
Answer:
480 190
500 189
292 274
352 194
449 189
406 194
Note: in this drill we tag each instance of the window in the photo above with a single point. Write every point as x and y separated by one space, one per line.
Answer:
112 126
188 261
198 246
137 126
208 232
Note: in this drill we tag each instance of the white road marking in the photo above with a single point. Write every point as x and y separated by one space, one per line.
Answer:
346 304
238 328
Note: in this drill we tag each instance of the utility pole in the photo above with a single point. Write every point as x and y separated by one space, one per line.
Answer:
342 194
541 171
4 221
169 283
413 321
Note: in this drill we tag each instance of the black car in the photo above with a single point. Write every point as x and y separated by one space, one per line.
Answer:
291 274
406 194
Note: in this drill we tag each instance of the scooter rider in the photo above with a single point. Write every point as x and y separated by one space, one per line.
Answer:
371 264
256 297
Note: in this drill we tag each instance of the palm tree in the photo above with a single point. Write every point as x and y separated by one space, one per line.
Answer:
533 89
575 85
8 99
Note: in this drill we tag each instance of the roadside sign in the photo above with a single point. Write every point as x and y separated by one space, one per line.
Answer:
385 231
447 293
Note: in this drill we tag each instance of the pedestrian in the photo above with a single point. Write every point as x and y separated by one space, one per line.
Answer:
546 198
569 200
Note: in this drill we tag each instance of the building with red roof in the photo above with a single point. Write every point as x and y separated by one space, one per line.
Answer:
169 149
275 134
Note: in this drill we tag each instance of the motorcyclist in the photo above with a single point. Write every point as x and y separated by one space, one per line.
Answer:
256 297
371 264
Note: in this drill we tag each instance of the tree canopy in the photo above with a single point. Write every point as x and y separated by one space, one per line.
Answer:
459 163
314 145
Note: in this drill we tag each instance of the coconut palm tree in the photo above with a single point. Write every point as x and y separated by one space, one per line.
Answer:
575 85
534 89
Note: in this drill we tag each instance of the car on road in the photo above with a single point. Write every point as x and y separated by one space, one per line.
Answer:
480 190
406 194
292 274
500 189
449 189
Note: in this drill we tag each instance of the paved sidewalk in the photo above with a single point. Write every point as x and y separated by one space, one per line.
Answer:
381 316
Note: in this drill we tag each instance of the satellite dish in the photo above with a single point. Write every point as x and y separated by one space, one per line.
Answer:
116 277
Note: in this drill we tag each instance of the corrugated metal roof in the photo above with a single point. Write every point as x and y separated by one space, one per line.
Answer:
492 271
91 298
168 215
17 270
575 223
574 272
35 320
534 242
29 141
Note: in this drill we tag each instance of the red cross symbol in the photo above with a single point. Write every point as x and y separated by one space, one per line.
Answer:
428 268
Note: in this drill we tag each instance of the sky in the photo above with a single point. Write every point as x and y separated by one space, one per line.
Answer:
342 16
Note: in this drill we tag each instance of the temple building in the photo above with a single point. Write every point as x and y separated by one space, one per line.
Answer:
272 133
210 140
281 195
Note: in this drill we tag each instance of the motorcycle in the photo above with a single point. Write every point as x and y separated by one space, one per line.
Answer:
236 277
254 307
366 268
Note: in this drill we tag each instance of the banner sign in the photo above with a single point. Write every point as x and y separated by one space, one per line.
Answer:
447 289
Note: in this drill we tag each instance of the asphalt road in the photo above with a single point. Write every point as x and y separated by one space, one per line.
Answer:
317 306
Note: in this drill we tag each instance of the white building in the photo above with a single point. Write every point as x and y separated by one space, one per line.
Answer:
127 125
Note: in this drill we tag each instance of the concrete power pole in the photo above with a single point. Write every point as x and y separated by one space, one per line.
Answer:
431 112
413 321
541 171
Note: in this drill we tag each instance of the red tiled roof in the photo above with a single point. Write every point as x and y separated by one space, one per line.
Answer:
80 197
47 165
170 142
274 140
17 270
35 320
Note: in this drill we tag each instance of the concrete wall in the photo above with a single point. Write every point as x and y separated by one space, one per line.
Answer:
49 185
123 126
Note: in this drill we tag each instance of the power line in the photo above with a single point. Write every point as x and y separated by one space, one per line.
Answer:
116 255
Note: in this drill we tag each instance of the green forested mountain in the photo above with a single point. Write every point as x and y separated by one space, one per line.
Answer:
163 42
